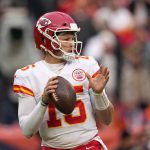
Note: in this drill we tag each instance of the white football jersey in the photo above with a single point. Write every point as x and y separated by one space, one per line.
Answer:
57 129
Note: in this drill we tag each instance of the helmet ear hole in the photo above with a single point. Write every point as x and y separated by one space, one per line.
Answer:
43 39
47 31
55 45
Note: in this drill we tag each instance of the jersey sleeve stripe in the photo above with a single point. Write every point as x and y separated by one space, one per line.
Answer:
22 89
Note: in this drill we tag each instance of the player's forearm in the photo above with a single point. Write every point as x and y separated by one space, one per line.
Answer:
104 108
105 116
30 123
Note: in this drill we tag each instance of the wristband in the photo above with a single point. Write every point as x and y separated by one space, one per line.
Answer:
101 101
43 103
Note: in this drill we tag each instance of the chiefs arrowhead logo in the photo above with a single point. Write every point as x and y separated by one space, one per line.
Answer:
43 22
78 75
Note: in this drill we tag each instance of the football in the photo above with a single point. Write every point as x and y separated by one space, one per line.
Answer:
64 99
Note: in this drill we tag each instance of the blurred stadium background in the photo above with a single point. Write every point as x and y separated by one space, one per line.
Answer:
115 32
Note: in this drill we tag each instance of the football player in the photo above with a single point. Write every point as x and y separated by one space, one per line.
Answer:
55 34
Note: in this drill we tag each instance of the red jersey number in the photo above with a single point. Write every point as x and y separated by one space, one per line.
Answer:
76 117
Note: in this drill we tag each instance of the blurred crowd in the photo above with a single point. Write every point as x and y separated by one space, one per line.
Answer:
115 32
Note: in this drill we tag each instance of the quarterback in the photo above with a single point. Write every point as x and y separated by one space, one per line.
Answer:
55 34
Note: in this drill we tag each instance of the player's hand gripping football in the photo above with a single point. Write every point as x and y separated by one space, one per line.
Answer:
49 89
99 82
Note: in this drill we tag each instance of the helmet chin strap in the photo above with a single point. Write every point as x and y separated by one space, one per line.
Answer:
68 56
